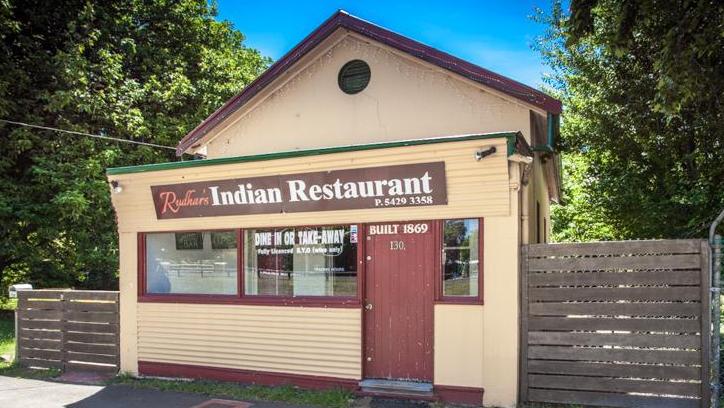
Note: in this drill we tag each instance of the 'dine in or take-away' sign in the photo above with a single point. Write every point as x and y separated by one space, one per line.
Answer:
421 184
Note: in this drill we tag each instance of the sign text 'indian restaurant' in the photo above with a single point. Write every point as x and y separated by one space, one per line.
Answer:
411 185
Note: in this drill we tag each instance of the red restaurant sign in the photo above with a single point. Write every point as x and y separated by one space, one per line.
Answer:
409 185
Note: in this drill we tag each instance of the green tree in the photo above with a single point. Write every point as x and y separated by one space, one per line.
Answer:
137 69
642 83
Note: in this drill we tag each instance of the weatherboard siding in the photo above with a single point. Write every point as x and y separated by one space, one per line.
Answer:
292 340
474 188
326 342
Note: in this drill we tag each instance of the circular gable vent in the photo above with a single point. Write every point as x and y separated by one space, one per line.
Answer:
354 77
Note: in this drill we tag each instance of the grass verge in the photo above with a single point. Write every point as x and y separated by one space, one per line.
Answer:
334 398
14 370
7 340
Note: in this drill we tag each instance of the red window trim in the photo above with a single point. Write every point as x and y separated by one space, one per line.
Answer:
460 300
310 301
240 298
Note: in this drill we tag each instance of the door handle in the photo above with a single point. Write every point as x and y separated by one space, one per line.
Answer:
368 306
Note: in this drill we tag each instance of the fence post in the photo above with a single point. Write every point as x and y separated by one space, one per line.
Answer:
16 357
523 327
706 327
715 311
63 342
18 310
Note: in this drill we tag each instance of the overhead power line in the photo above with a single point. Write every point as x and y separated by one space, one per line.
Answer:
73 132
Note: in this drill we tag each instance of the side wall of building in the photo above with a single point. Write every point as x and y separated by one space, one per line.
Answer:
538 205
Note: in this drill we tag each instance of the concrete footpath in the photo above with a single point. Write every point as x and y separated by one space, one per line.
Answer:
23 393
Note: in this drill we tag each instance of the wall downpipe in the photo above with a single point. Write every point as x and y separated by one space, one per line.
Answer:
715 241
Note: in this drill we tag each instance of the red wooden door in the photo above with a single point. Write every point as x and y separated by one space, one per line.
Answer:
401 261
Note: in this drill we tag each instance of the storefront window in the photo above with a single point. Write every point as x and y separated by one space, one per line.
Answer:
461 263
191 263
301 261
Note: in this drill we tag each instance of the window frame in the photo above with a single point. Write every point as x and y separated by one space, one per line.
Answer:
240 297
144 296
308 300
440 298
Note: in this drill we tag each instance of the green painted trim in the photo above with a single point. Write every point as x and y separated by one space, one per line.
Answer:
543 148
550 123
519 145
509 136
553 126
511 146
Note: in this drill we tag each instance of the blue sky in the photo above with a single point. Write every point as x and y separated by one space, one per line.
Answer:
495 35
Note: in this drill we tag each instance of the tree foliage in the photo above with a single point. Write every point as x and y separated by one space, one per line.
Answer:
138 69
642 84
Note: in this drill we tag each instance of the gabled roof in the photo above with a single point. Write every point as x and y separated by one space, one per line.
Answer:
342 19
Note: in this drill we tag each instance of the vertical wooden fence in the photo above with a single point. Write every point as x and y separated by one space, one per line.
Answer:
622 324
68 329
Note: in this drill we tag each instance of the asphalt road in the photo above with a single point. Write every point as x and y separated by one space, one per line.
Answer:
23 393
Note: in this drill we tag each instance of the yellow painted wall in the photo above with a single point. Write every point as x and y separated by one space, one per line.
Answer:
475 188
296 340
501 310
537 191
311 341
406 99
477 346
128 285
458 345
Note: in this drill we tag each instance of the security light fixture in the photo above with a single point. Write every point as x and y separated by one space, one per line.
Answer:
116 186
481 154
